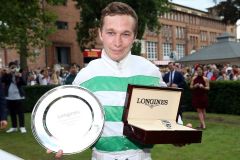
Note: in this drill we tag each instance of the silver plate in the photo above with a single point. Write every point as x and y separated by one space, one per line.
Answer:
67 117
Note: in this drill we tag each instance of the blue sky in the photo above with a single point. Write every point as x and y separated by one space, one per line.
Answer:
197 4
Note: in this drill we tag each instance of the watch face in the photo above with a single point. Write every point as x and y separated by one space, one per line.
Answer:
69 118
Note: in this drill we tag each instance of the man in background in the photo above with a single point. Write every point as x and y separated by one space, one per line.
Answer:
14 93
175 79
72 73
3 109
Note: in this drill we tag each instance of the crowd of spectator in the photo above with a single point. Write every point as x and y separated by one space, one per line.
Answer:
56 75
212 71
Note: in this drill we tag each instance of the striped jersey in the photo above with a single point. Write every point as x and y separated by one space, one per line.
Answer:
108 80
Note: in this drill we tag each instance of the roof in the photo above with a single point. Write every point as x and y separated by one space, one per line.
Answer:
224 51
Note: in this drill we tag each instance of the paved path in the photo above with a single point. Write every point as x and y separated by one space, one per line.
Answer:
8 156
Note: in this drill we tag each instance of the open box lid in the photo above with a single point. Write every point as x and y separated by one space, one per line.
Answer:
151 103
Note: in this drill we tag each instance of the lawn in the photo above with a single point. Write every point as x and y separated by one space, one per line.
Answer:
220 142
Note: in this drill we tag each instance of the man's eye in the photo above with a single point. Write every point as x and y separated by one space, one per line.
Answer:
126 34
110 33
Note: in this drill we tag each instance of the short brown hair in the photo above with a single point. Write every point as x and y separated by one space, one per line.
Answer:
119 8
171 63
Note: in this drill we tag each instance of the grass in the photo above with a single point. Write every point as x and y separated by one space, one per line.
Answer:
220 141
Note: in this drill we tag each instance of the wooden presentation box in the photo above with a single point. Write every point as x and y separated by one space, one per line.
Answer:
150 116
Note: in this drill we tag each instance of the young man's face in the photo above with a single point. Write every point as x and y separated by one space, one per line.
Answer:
117 35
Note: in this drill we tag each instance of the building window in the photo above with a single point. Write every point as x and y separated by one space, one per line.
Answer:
166 31
62 25
167 48
186 19
180 32
213 37
151 50
180 49
203 35
63 55
182 17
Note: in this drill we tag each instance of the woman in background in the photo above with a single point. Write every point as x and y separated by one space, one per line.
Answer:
200 86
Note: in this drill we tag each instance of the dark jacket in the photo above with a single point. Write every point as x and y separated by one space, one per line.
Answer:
177 79
3 108
7 80
70 78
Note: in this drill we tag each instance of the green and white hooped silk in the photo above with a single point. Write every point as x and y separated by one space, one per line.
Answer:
108 80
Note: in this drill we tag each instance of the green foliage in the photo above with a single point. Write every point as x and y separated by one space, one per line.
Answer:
33 93
148 13
56 2
136 48
230 10
223 97
25 26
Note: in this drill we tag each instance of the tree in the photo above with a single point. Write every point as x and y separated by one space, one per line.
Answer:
229 10
148 12
25 26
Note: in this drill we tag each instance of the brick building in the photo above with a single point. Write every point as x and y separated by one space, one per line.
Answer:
184 30
64 49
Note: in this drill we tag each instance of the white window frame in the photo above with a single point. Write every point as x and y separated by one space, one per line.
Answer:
151 50
167 49
180 49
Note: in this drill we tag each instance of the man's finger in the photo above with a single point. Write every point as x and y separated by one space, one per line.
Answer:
48 151
59 154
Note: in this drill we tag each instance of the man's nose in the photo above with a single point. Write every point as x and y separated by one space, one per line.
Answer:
118 41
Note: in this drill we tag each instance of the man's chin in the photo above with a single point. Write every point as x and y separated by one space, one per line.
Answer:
115 57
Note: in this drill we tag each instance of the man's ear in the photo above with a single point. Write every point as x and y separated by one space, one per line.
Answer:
100 33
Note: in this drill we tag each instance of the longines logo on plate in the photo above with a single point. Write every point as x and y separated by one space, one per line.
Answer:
153 102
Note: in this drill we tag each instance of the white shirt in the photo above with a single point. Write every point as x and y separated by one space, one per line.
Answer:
13 92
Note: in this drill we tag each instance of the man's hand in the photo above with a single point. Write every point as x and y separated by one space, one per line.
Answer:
3 124
196 85
189 125
174 85
58 155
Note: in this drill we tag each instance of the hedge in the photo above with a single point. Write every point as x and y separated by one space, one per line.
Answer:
224 97
33 94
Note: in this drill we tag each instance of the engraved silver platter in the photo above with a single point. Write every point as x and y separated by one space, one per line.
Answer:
69 118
